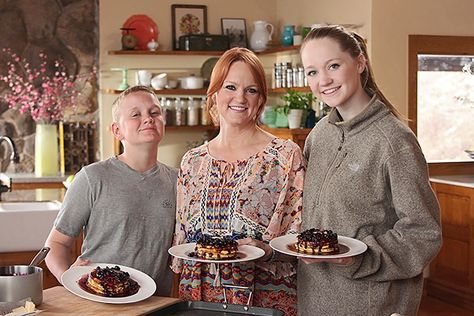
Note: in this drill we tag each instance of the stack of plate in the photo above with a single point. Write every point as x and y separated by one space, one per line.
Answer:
470 153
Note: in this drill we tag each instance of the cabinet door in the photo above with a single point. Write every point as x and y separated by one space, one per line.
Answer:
452 271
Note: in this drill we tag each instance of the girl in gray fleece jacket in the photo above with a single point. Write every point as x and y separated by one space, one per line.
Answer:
366 179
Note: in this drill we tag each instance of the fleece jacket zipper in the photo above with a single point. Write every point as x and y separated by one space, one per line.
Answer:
328 176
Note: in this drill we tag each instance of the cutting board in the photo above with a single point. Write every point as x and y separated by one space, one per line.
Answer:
59 301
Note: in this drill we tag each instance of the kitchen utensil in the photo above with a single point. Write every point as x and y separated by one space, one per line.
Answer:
144 77
159 81
261 36
20 281
207 67
143 28
172 84
287 35
192 82
70 277
39 256
152 45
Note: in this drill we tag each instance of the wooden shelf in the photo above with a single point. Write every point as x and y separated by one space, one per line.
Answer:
165 52
167 91
204 91
271 50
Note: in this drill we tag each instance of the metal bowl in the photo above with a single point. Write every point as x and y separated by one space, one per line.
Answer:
19 282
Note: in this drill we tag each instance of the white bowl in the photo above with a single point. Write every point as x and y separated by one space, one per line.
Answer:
172 84
192 82
159 81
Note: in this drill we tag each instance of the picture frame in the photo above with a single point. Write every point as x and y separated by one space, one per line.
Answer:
236 29
187 19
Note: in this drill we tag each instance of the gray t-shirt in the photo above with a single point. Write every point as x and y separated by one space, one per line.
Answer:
128 217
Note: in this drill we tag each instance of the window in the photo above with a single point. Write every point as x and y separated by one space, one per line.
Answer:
445 107
441 100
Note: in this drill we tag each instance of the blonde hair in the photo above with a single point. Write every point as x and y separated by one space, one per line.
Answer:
221 69
354 44
118 102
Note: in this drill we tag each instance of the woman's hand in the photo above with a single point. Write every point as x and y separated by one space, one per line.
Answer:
342 261
257 243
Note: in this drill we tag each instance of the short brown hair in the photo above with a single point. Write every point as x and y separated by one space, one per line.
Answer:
221 69
119 100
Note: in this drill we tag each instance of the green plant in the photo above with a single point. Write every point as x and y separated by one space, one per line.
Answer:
296 100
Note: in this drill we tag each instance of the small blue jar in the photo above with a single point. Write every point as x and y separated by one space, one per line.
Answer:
287 35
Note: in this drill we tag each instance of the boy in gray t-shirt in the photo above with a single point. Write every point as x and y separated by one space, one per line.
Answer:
125 204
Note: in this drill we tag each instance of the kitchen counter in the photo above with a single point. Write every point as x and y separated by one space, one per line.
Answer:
34 195
21 181
458 180
59 301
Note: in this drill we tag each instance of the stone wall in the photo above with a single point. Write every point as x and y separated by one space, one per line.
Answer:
63 29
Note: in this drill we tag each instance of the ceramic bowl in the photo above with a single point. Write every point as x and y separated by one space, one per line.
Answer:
159 81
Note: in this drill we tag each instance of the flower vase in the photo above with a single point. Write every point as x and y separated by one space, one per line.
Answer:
46 150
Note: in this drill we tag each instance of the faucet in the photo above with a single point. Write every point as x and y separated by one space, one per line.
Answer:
14 156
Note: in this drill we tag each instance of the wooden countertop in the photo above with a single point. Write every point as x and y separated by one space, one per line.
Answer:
59 301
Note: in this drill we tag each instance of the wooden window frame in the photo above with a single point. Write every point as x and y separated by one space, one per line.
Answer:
435 45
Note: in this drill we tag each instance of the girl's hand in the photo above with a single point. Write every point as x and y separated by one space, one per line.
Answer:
342 261
257 243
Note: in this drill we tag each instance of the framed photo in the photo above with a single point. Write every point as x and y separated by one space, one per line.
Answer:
236 30
187 19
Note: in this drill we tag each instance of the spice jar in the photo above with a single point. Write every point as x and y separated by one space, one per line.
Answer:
205 118
180 112
193 113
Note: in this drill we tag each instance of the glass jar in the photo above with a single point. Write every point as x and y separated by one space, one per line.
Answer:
180 118
193 113
170 110
205 118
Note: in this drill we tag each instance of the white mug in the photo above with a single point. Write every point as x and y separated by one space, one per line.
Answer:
144 77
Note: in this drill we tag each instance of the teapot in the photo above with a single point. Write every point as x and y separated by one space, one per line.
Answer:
261 36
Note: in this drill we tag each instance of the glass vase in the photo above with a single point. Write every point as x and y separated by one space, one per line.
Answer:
46 150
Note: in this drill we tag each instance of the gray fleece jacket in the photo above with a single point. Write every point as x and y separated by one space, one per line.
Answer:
367 179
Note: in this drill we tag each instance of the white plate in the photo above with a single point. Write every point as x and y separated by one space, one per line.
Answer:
72 275
244 253
354 247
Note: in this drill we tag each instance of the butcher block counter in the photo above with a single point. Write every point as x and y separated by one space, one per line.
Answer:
59 301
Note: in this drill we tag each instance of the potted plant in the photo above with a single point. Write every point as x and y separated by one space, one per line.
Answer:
296 106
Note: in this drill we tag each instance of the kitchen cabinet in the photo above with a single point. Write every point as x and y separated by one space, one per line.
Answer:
451 276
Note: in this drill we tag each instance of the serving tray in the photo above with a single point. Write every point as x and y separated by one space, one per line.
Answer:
198 308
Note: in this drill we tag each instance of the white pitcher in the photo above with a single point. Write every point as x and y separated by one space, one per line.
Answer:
260 36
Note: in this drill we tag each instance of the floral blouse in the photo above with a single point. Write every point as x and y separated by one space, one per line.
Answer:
260 197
